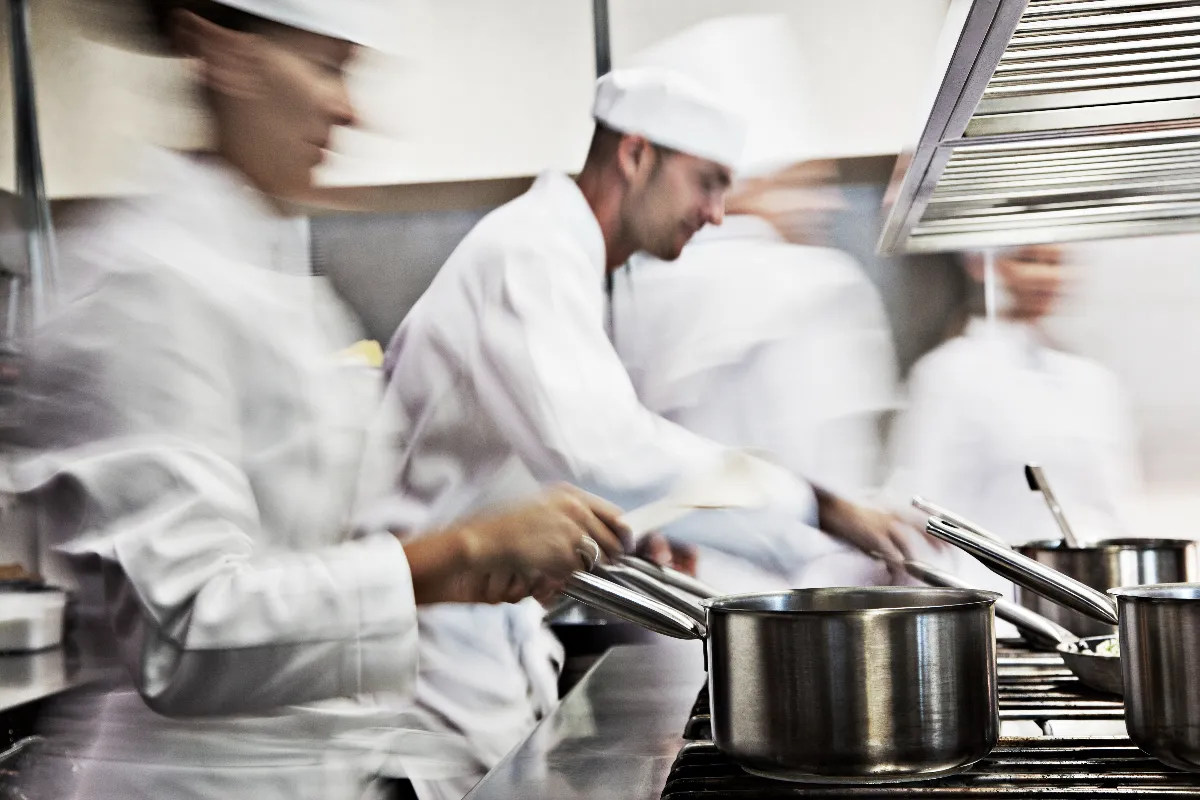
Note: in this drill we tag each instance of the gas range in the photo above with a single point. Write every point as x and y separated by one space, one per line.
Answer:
1059 739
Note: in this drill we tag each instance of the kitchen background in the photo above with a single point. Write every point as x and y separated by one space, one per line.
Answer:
518 77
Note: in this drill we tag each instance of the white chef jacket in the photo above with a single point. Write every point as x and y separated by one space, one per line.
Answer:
519 384
199 451
983 405
756 342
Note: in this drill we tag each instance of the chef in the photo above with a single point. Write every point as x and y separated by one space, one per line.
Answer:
520 384
197 451
1003 394
761 334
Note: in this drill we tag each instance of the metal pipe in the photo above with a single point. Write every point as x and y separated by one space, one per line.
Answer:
34 205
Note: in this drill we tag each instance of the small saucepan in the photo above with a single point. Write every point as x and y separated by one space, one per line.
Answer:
874 685
1159 628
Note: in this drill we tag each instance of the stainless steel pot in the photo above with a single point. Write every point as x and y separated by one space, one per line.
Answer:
1160 654
1106 565
872 685
1160 644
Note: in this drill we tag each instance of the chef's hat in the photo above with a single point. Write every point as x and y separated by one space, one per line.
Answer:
370 23
672 111
754 65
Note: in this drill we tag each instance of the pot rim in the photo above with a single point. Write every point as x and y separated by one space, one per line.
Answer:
1108 545
1160 592
971 598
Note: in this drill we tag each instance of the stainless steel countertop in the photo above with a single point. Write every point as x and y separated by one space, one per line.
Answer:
28 677
614 736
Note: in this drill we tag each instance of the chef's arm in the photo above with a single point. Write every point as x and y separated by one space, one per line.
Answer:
550 378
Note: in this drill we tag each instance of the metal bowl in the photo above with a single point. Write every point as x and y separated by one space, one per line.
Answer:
1097 670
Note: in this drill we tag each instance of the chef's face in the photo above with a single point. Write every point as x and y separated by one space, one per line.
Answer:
1033 277
277 94
673 196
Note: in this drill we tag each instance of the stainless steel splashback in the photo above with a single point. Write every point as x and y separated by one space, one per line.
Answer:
1057 120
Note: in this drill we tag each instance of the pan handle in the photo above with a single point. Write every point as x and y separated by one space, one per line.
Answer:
1033 575
632 606
1030 623
954 519
671 577
640 582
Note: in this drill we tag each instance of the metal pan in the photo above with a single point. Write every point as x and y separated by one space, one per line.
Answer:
1159 628
908 693
1093 669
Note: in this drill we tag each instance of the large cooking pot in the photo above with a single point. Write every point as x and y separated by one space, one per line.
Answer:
1105 565
1160 643
869 685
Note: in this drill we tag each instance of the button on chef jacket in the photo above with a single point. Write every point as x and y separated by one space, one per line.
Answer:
757 342
200 451
983 405
505 378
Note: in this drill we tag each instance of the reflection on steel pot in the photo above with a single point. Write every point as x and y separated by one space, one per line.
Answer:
1107 564
874 685
1160 654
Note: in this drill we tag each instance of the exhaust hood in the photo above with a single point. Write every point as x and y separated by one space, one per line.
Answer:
1057 120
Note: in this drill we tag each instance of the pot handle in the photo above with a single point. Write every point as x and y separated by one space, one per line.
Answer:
632 606
1030 623
944 513
1033 575
644 584
671 577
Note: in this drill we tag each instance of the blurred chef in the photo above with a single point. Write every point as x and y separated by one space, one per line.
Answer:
521 384
198 449
1001 395
760 334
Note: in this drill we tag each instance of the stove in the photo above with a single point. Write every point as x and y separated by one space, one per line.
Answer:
1059 739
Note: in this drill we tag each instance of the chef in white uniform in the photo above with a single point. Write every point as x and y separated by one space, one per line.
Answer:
520 384
198 450
760 334
1002 395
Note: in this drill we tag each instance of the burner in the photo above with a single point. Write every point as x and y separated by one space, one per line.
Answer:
1037 693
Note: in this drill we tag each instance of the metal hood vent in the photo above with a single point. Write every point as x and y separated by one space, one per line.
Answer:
1057 120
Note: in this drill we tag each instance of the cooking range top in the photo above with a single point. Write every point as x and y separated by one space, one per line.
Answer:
1059 739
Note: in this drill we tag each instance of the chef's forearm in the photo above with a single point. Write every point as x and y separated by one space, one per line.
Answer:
438 563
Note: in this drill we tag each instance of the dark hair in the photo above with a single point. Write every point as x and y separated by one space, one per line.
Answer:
605 141
161 11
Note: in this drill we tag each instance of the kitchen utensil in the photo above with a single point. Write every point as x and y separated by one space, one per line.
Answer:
1033 575
1094 669
874 685
671 577
1106 564
1160 645
1160 661
950 516
1036 478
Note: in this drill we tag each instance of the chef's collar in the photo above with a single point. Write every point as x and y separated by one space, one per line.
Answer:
566 200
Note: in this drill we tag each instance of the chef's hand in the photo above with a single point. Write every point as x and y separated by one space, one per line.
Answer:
660 550
527 551
876 533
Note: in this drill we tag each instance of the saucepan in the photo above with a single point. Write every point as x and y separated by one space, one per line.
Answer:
1159 630
873 685
1086 657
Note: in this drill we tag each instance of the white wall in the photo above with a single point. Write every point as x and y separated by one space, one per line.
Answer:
871 60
